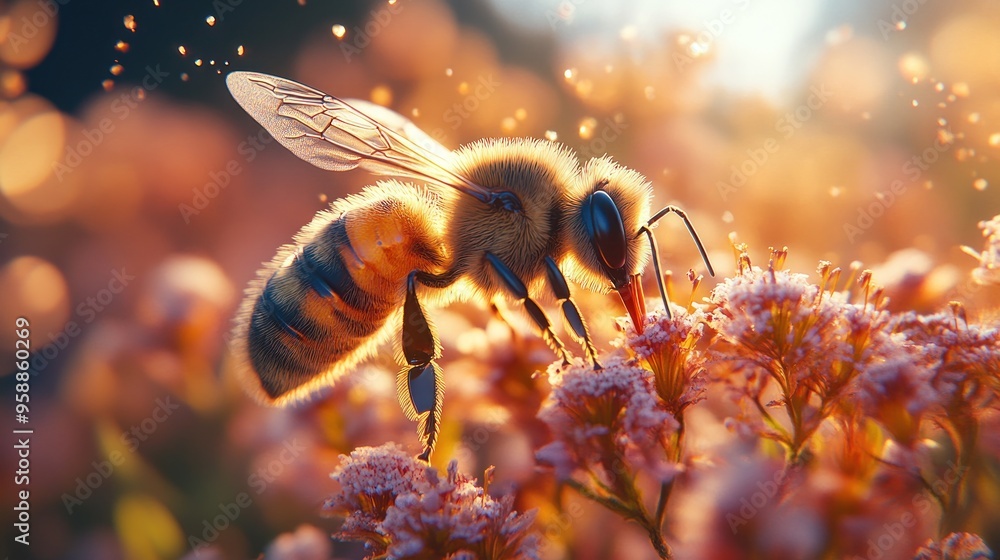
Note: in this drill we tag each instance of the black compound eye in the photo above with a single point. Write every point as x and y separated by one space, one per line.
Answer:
607 232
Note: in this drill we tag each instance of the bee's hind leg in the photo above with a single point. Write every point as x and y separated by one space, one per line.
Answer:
420 384
570 311
517 287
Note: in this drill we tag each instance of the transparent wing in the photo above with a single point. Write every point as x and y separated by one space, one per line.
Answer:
401 125
332 134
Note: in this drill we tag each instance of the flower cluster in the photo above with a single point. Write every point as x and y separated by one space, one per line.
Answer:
609 424
956 546
402 508
600 417
668 348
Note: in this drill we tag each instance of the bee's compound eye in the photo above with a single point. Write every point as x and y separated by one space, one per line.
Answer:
607 232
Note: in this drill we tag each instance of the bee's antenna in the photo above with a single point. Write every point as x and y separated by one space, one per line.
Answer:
694 235
656 266
647 229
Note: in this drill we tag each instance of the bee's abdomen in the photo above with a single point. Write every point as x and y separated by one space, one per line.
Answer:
321 305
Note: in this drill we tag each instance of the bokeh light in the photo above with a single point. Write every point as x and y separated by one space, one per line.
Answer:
138 200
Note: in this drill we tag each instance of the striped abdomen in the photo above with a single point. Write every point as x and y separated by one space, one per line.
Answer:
322 304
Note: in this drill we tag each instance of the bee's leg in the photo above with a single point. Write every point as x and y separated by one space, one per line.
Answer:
570 311
517 287
420 385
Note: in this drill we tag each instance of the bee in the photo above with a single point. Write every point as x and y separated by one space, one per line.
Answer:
510 218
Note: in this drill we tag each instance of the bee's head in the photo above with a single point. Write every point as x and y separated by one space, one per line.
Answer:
609 206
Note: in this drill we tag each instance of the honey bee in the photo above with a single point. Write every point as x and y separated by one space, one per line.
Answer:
497 218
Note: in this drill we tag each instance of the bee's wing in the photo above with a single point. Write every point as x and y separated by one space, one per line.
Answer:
401 125
332 134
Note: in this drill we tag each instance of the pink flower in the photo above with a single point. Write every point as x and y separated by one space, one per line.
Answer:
599 417
896 391
401 508
778 321
956 546
963 358
371 479
306 543
454 518
668 347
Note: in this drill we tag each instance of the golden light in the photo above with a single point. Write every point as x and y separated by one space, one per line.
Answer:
33 287
30 34
27 156
382 95
914 67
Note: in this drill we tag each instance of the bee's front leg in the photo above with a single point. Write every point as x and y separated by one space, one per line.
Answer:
516 286
420 384
570 311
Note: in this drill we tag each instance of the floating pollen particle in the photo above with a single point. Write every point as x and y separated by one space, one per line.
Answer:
339 31
382 95
587 127
116 69
240 50
121 46
182 49
551 135
12 84
980 184
210 20
108 85
130 23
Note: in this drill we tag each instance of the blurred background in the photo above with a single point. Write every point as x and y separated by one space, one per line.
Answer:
137 200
